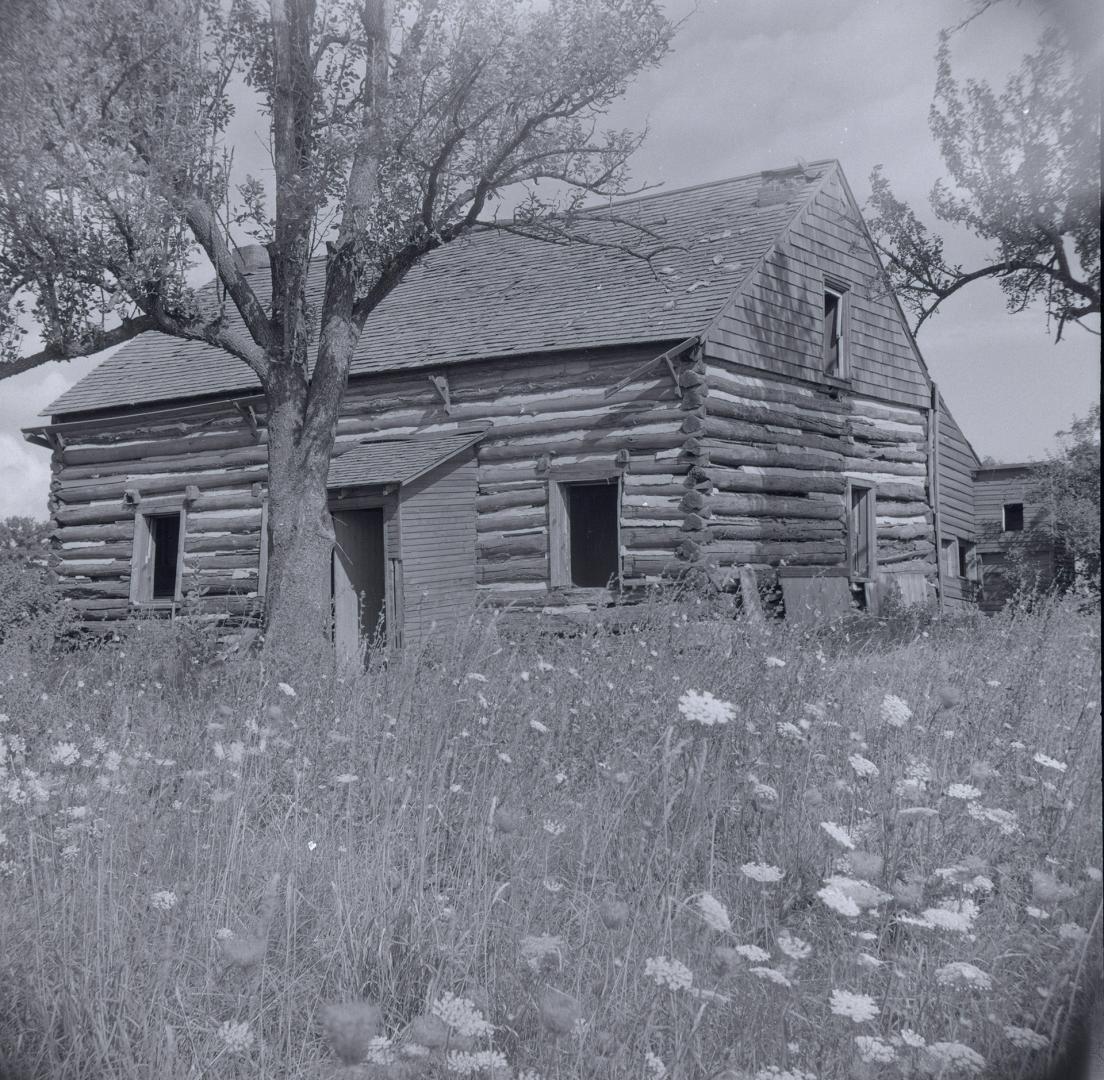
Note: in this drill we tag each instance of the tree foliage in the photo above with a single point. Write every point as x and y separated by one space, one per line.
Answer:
393 128
1024 168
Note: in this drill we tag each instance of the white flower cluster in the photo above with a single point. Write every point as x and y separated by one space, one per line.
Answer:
839 834
669 973
955 1057
862 766
1050 763
64 753
856 1007
163 900
771 975
895 711
956 915
462 1016
714 913
874 1050
535 949
469 1063
838 901
794 947
1005 820
703 708
236 1038
753 953
773 1072
966 792
763 872
959 973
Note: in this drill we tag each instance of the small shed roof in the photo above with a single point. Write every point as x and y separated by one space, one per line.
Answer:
396 461
496 294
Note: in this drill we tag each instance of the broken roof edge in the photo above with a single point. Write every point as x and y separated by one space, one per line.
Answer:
468 433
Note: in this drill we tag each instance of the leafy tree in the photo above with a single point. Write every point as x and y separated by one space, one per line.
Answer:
24 541
1024 167
1067 486
393 129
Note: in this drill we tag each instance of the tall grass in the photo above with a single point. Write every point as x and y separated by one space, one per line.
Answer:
210 869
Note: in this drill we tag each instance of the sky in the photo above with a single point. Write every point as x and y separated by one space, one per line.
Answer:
759 84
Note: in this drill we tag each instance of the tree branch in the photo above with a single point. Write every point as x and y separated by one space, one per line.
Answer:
131 328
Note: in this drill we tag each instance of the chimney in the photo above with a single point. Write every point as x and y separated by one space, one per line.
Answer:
252 257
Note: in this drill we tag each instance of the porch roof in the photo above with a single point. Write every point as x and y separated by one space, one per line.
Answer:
396 461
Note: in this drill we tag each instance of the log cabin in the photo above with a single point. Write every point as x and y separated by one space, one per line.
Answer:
550 428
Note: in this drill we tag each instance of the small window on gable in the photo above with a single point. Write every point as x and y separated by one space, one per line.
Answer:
156 564
862 533
583 533
835 344
1013 518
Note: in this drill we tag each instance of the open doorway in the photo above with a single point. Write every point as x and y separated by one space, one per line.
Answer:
359 582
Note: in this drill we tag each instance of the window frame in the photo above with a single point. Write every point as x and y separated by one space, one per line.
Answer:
559 527
952 556
871 531
142 554
834 287
1004 517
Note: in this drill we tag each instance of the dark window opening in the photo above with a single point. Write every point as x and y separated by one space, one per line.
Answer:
1013 517
164 538
964 560
592 514
833 332
861 532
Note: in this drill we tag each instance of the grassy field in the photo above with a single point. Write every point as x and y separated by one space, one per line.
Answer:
694 850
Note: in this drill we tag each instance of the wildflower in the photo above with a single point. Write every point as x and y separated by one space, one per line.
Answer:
838 833
922 811
764 792
838 901
552 885
654 1064
474 676
912 1038
714 913
538 727
346 778
236 1038
763 872
862 892
703 708
1050 763
1005 820
350 1027
862 766
956 915
1093 874
535 949
856 1007
773 1072
966 792
111 761
874 1050
1025 1038
163 900
613 913
895 711
223 933
1073 932
553 827
559 1012
461 1015
669 973
286 690
771 975
1037 913
955 1057
467 1063
64 753
773 661
753 953
1047 889
868 961
789 730
794 947
959 973
505 759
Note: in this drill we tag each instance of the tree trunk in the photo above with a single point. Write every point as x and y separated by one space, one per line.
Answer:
300 531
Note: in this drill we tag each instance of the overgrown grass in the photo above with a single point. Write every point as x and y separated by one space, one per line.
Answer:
199 864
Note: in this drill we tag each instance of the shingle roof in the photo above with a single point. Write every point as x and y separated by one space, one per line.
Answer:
497 294
396 461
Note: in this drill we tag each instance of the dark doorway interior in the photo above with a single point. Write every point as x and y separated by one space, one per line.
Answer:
164 537
359 580
592 517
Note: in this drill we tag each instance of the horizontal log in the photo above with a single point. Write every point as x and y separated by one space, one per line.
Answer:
176 443
894 468
653 564
759 390
100 514
910 566
724 453
172 463
899 492
245 520
513 570
77 533
204 542
597 419
784 481
578 442
247 561
902 509
491 546
878 411
903 532
776 506
900 552
104 608
492 503
119 550
84 490
885 453
515 517
802 419
98 589
777 529
871 433
736 431
783 549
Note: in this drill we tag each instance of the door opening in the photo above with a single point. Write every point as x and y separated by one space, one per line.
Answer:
359 582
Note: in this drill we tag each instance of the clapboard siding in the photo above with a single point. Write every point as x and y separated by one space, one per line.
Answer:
437 513
774 323
957 464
